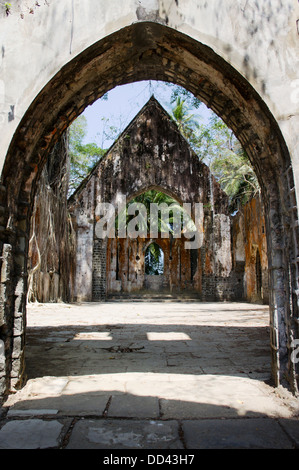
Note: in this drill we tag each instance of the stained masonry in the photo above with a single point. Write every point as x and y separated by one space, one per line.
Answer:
152 154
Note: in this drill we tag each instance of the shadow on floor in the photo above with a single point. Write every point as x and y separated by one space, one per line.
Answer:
126 421
177 349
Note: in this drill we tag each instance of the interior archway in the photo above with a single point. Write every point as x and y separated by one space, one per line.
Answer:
152 51
156 257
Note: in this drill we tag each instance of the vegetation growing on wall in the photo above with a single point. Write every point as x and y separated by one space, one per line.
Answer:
52 243
83 156
164 224
217 146
7 7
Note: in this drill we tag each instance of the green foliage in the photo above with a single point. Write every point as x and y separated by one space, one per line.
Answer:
83 157
228 162
216 145
7 7
179 92
147 198
166 224
109 132
187 123
157 197
236 176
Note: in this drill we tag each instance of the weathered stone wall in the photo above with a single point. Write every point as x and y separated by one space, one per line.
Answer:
150 154
99 274
217 273
51 246
9 337
126 267
249 244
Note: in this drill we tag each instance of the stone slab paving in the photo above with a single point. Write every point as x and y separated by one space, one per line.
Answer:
123 434
235 434
31 434
149 375
129 406
92 433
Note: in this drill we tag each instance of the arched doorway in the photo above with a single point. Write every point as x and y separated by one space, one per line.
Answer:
156 258
164 54
154 267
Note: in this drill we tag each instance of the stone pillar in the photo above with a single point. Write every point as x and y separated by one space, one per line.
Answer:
6 319
12 321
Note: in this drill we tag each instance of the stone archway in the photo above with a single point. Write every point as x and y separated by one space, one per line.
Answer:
148 50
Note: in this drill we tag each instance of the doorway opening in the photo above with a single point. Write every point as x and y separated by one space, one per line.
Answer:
259 283
154 260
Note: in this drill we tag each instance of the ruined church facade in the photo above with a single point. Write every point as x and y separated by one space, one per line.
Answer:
152 154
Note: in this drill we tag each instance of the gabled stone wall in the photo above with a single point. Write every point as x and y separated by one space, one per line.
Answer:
151 154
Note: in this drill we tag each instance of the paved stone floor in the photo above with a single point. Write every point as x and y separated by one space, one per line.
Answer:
149 375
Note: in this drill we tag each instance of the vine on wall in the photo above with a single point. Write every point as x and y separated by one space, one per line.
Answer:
52 239
9 9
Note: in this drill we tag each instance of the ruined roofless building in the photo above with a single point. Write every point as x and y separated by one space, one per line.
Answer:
150 154
225 53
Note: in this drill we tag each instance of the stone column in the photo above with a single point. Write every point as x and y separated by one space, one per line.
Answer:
99 270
